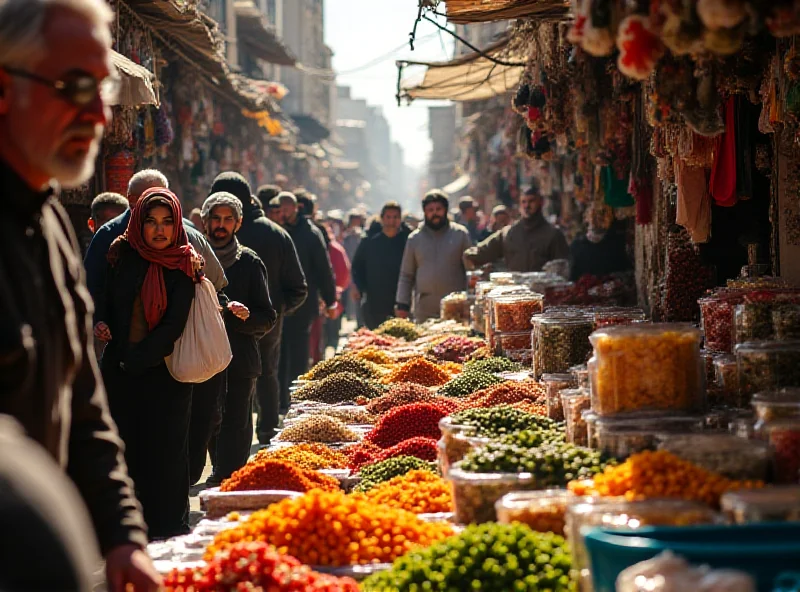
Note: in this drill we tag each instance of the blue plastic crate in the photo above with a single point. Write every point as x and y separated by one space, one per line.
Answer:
762 550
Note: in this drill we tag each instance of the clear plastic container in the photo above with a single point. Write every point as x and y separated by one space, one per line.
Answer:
581 374
513 313
786 322
770 504
502 278
725 454
752 321
554 384
475 494
560 342
726 381
618 316
628 516
647 367
621 437
477 322
590 417
455 307
707 358
783 436
524 357
543 511
456 442
575 402
559 267
716 314
774 405
488 306
511 341
768 365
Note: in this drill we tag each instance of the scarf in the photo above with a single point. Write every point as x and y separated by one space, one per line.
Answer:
229 254
179 255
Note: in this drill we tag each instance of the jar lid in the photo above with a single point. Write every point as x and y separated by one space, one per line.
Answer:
524 499
557 378
785 397
563 319
712 442
651 422
769 346
774 498
521 297
647 329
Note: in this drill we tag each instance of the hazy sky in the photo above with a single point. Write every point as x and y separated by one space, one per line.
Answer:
360 31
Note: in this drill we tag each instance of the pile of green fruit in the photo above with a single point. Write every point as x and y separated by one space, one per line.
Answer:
496 364
372 475
488 557
402 328
496 422
467 383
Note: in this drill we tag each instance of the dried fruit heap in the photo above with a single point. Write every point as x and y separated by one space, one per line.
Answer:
408 421
400 394
338 388
307 456
322 528
265 474
417 491
344 363
455 348
419 371
467 383
661 474
511 391
254 566
318 428
372 475
422 448
373 354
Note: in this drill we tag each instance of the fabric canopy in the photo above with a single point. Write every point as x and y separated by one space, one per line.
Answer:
136 83
477 11
258 36
469 78
311 130
458 185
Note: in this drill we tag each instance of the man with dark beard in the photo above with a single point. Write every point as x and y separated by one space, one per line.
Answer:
248 318
432 265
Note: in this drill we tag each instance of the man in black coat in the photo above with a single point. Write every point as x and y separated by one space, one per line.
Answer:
248 318
319 275
376 267
287 288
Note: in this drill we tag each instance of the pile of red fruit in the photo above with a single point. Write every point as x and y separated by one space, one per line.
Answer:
420 447
409 421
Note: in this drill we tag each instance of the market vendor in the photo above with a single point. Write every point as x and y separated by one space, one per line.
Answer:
527 244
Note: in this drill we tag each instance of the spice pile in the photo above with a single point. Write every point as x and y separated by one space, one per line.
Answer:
312 456
373 474
400 394
418 371
468 382
318 428
455 348
409 421
402 328
338 388
344 363
264 474
507 392
418 491
493 364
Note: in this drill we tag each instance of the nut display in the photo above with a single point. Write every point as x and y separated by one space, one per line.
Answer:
467 383
496 422
318 428
542 511
307 456
575 402
509 392
338 388
352 415
648 367
752 321
732 457
402 328
513 313
344 363
766 366
770 504
455 307
560 342
554 384
372 475
418 491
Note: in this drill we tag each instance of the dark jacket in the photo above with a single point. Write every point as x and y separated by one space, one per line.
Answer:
49 380
248 284
96 264
287 283
376 270
316 265
123 285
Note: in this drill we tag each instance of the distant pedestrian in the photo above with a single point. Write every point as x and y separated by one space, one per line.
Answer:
106 207
468 217
196 217
274 211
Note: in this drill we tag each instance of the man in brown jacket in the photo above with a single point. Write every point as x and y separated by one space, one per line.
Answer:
55 75
527 244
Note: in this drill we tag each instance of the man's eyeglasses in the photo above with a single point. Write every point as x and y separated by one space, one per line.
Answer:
77 88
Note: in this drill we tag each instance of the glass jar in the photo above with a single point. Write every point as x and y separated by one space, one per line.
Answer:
647 367
543 511
477 322
455 307
786 322
560 342
770 504
774 405
618 316
716 314
456 442
726 381
554 384
590 417
725 454
766 366
475 494
752 321
575 402
513 313
783 436
488 307
511 340
620 437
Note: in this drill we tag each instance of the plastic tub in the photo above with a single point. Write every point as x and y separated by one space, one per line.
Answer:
726 454
618 316
581 376
621 437
455 307
716 314
726 380
575 402
770 504
647 367
779 404
783 436
554 384
762 550
511 341
560 342
766 366
475 494
543 511
513 313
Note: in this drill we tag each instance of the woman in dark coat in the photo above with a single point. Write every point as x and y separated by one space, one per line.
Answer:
149 292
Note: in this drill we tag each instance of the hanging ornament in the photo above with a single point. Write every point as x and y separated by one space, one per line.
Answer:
520 101
721 14
725 41
639 48
682 30
598 39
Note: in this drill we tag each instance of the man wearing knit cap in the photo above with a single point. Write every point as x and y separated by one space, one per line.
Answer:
287 287
432 266
248 291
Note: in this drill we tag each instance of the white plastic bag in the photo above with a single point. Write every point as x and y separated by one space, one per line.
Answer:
203 350
668 573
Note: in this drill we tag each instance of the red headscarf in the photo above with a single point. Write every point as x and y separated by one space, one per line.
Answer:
179 255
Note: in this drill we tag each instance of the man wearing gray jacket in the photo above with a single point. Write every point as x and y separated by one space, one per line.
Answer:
432 264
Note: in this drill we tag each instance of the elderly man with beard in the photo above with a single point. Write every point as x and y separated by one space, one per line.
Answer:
55 84
432 266
248 318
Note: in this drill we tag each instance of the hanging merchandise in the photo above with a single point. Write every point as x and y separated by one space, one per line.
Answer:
639 48
693 210
723 172
616 188
120 167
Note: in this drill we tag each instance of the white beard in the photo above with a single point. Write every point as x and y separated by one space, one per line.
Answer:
74 173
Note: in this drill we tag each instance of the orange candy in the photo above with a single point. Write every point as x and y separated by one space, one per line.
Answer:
313 456
421 492
265 474
419 371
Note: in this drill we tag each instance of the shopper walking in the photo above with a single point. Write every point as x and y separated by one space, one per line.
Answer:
149 292
287 287
248 318
527 244
105 207
341 274
432 265
376 267
48 371
316 265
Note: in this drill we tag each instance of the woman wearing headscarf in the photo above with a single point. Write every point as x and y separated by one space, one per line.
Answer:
149 292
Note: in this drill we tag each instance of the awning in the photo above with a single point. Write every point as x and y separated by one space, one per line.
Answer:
479 11
458 185
311 130
469 78
136 83
258 37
